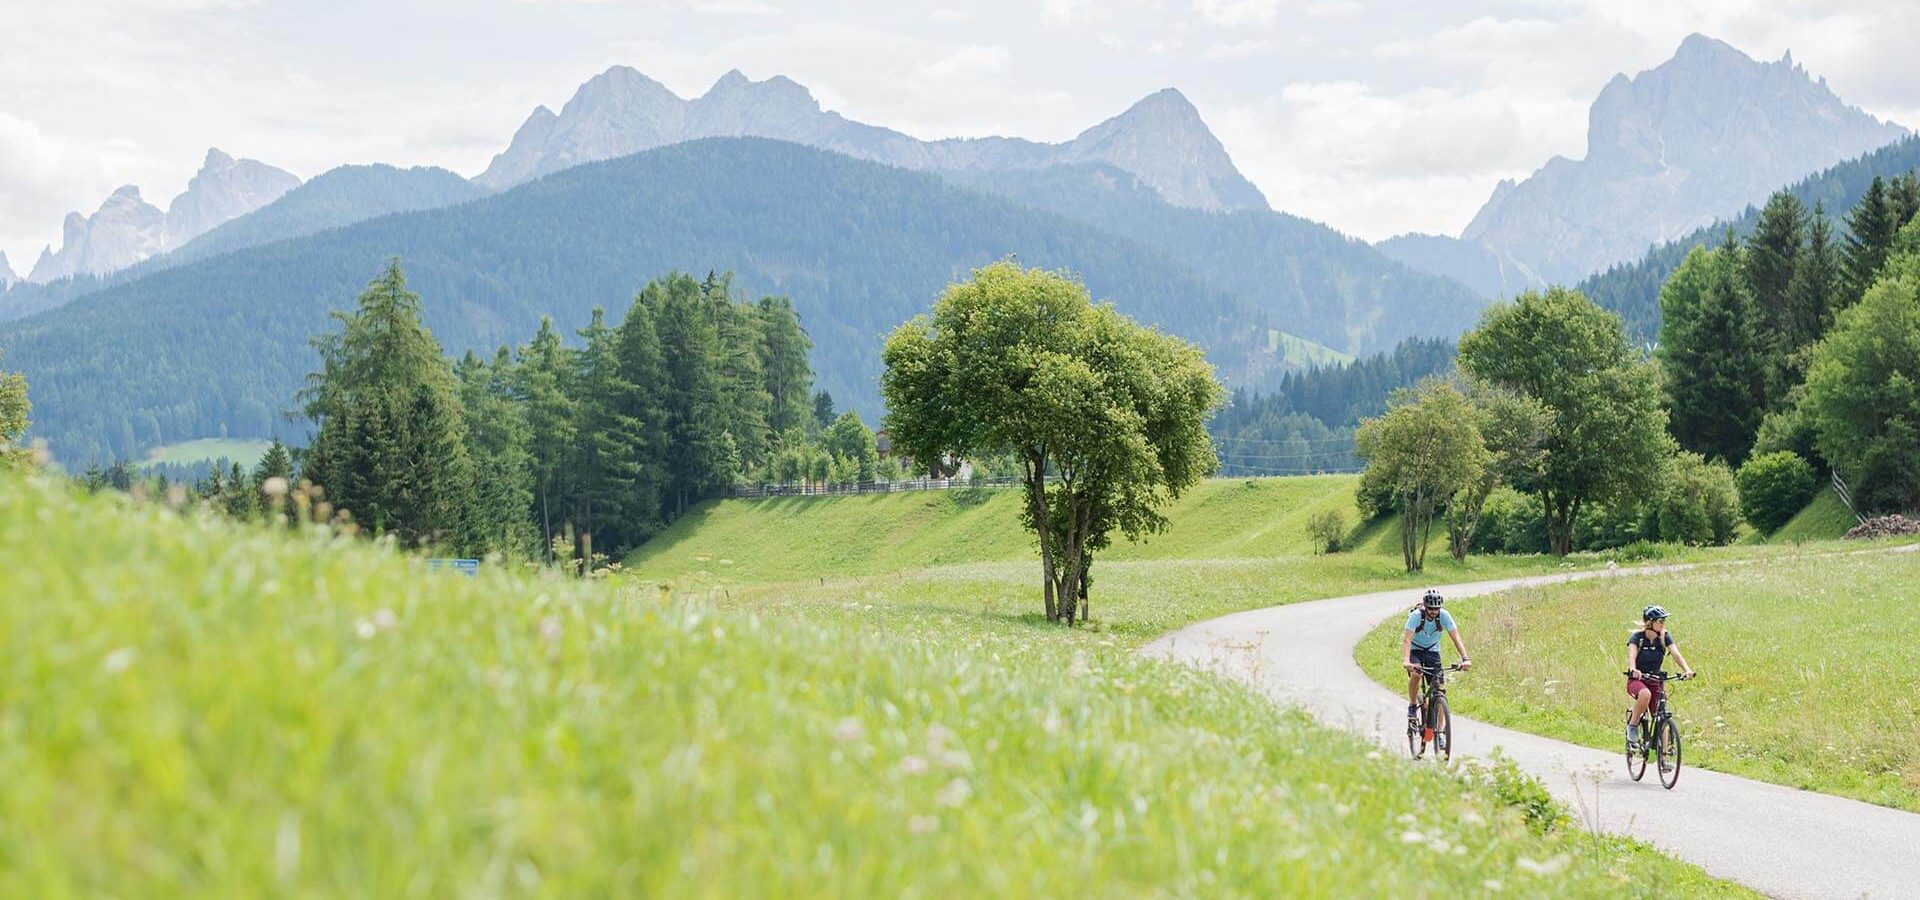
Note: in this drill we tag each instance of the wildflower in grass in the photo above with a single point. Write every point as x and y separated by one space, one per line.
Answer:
955 793
1550 867
364 628
1412 837
849 730
117 661
913 765
922 824
550 629
385 620
1492 885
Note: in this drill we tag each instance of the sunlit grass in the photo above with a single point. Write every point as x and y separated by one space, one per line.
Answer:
189 707
1807 663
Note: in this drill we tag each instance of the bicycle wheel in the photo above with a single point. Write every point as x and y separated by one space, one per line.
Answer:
1415 743
1443 732
1666 746
1637 759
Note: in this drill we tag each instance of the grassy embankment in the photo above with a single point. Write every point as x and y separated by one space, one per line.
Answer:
192 707
1807 663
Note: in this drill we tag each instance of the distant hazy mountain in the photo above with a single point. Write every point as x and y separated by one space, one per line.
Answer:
1669 150
224 189
1633 289
220 346
127 230
1307 279
335 198
1468 262
7 278
123 231
1161 139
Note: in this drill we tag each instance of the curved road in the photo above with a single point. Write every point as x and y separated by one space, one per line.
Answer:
1776 840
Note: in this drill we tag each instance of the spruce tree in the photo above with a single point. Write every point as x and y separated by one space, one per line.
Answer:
544 387
823 414
1714 365
700 453
1810 301
390 446
497 436
642 376
1772 252
743 394
612 443
1871 226
783 362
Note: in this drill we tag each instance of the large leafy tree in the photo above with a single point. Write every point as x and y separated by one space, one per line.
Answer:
1426 449
1513 428
1863 391
1019 361
1608 434
1715 366
391 441
13 418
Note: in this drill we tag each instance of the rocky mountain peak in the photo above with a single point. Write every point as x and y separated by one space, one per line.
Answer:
1671 149
6 271
224 189
123 231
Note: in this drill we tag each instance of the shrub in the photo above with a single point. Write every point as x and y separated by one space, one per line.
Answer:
1511 522
1514 787
1328 530
1700 505
1774 487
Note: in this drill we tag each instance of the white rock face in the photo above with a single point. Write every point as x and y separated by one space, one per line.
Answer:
1672 149
124 231
225 189
7 277
127 229
1161 139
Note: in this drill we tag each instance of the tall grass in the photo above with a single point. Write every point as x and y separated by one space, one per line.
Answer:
190 707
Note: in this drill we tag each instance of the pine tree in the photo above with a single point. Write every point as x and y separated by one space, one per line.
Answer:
1810 301
544 387
823 414
1905 193
277 462
1871 226
743 394
698 443
784 346
612 443
497 437
1772 254
390 445
243 495
642 375
1715 367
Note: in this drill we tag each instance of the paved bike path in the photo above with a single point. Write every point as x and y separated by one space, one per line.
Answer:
1777 840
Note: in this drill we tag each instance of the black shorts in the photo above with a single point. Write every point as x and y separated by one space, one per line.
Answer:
1426 659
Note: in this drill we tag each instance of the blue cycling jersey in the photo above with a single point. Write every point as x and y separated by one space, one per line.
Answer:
1426 632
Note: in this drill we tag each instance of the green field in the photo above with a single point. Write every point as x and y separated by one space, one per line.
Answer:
1807 667
1825 518
246 453
1298 351
194 707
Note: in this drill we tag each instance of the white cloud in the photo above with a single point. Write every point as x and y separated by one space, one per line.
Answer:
1232 13
972 59
1241 49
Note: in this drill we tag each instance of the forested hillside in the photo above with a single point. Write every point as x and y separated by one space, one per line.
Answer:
1307 424
219 347
1311 280
1633 289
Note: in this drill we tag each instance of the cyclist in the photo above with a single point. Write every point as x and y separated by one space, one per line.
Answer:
1646 650
1420 644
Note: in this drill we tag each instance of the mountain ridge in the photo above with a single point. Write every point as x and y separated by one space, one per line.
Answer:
1161 138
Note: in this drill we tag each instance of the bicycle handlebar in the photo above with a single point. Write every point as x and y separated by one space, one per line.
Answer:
1661 676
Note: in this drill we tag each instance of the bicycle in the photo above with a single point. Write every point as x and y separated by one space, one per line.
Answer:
1659 734
1432 708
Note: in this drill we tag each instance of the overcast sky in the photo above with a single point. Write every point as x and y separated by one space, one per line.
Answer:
1375 117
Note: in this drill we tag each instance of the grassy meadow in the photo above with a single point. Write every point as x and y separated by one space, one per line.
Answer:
1807 667
194 707
244 452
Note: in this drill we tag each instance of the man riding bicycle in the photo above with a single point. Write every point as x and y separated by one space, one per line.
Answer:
1420 644
1646 650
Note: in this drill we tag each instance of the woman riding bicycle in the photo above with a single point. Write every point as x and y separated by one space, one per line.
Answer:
1646 650
1420 644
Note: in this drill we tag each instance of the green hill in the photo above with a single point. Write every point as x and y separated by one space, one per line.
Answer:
194 707
220 346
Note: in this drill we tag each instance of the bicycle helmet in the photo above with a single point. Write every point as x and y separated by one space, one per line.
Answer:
1433 600
1653 613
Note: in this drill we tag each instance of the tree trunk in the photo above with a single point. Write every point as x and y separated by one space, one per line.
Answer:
1035 465
1559 524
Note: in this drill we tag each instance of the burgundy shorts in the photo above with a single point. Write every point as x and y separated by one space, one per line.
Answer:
1635 686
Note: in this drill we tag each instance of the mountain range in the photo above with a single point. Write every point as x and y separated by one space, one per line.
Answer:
1669 150
1160 139
126 229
